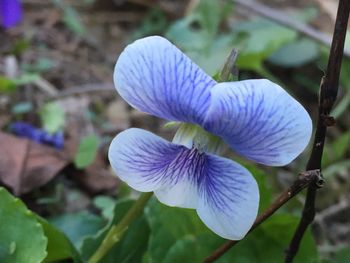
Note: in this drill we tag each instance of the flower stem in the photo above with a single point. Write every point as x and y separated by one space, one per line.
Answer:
116 232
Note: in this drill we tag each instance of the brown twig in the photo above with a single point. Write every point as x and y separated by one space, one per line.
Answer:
328 95
287 21
304 180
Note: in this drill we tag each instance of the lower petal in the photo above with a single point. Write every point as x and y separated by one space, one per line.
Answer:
149 163
229 198
224 193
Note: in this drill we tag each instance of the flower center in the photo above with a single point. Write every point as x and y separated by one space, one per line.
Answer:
195 137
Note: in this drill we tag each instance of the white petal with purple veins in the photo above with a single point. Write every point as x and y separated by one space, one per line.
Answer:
224 193
229 198
148 163
154 76
259 120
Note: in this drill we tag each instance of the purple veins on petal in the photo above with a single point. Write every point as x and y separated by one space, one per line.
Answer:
259 120
154 76
217 187
10 13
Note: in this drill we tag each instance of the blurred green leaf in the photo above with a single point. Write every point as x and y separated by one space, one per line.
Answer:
342 106
192 248
265 189
78 226
342 256
26 78
168 225
341 145
106 205
87 151
52 117
261 39
70 17
59 247
178 235
130 248
336 151
21 108
154 23
41 65
20 46
7 85
196 34
22 238
336 168
295 54
72 21
212 59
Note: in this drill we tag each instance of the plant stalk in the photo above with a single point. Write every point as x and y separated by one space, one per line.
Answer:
116 232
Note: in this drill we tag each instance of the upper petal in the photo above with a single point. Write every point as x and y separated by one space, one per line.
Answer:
229 198
259 120
154 76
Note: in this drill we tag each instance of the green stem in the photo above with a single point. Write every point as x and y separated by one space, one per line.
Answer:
116 232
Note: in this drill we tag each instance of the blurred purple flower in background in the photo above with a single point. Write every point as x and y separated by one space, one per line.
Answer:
10 13
40 136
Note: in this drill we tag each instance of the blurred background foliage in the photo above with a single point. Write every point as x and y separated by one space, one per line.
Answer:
55 75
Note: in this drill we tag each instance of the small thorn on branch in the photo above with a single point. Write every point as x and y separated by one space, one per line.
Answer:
328 121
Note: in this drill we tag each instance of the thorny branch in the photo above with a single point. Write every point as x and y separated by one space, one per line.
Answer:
312 178
328 95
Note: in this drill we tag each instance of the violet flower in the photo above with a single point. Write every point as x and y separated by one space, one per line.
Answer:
10 13
37 135
255 118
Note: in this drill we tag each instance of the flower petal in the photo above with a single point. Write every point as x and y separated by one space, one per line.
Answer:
229 198
154 76
259 120
10 12
147 163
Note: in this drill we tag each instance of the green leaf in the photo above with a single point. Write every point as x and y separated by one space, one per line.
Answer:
265 189
21 108
259 39
341 145
72 21
192 248
154 23
179 236
27 78
342 256
296 53
7 85
79 225
169 224
130 248
196 34
87 151
59 247
22 238
106 205
52 117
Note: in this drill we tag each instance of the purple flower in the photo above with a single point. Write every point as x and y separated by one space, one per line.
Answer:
26 130
255 118
10 13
